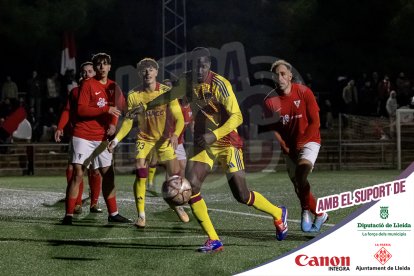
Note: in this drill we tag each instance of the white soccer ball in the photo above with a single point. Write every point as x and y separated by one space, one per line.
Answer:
176 190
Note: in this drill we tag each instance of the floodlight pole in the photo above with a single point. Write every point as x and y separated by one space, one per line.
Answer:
174 34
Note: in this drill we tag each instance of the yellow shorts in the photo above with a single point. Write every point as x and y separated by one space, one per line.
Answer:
161 148
229 158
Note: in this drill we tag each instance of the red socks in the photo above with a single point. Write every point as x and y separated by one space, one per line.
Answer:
94 180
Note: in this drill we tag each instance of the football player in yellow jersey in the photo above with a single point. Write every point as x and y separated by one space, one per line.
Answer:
153 159
153 133
217 115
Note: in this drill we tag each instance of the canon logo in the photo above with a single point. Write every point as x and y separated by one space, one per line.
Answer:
304 260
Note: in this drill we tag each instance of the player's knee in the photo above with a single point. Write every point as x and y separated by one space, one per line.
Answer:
78 174
109 171
301 181
94 172
141 172
302 172
242 197
195 184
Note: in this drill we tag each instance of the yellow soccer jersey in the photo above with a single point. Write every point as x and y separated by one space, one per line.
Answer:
155 123
216 109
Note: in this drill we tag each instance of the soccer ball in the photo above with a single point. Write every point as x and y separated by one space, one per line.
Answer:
176 190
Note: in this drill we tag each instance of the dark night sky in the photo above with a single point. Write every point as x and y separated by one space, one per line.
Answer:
323 37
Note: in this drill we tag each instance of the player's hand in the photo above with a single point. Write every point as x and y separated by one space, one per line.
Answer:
285 149
112 144
173 141
111 130
206 139
114 111
58 134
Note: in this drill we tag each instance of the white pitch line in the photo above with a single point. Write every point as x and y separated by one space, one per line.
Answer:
30 191
138 238
121 238
157 203
228 212
256 215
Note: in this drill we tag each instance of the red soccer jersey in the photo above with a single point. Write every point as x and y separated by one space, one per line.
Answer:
188 117
69 113
299 115
94 101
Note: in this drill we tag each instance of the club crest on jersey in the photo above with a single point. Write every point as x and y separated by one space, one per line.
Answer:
205 95
285 119
102 102
297 103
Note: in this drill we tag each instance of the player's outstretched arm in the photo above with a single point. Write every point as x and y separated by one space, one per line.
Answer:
123 131
64 119
112 145
178 116
206 139
283 146
179 122
229 101
135 111
111 130
58 134
312 110
179 90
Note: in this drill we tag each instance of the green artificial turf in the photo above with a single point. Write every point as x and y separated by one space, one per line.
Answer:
32 241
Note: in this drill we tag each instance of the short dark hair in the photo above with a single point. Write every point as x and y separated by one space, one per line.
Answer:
147 62
200 52
101 56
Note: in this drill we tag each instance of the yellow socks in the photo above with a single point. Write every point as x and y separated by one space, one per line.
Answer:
139 195
199 208
261 203
151 175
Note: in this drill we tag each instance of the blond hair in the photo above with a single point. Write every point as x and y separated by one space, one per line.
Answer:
147 62
279 62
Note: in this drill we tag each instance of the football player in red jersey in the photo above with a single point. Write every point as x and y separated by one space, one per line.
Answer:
99 105
188 122
69 116
297 131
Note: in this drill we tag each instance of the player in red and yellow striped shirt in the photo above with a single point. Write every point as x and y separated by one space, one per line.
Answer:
217 115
